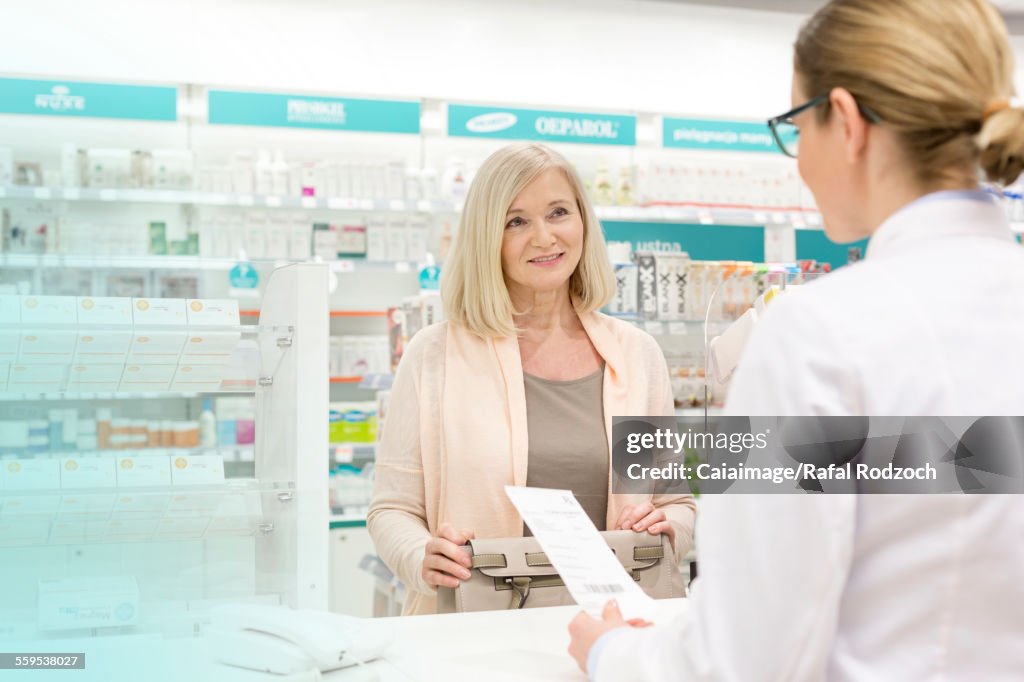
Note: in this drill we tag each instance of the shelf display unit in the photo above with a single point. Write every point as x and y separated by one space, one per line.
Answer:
140 541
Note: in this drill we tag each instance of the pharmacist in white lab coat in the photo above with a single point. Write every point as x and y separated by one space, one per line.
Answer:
898 105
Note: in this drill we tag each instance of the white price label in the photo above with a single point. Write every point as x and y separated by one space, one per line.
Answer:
108 195
245 200
42 193
402 266
366 204
677 329
343 454
308 202
424 206
397 205
654 327
273 202
705 217
760 218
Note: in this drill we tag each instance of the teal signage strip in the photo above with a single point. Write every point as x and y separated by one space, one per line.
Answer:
815 245
702 242
228 107
506 123
89 100
732 136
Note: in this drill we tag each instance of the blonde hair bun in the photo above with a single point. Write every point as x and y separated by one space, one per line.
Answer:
1001 144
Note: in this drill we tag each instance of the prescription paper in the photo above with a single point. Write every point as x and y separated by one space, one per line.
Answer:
587 565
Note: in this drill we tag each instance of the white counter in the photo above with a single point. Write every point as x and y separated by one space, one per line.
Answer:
500 646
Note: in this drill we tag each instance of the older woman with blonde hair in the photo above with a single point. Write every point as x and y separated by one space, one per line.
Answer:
519 385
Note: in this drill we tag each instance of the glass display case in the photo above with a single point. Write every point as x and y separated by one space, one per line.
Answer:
119 516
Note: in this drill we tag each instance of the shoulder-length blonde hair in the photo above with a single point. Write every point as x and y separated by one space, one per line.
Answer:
473 286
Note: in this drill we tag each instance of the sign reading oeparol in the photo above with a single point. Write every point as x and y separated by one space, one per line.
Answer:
533 124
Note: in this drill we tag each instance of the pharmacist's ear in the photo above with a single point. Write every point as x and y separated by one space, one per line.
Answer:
849 124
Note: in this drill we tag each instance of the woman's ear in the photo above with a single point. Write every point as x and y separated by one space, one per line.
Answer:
850 124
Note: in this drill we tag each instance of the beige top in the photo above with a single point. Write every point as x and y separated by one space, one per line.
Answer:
457 435
568 446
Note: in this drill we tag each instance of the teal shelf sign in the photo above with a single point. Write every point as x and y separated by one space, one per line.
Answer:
304 111
729 136
702 242
88 100
506 123
244 276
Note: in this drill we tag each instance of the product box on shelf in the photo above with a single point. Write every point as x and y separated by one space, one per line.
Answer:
46 346
299 239
33 228
197 470
49 310
102 347
156 347
417 240
147 470
625 299
128 506
31 474
87 472
351 240
198 378
93 378
353 422
397 240
671 271
213 313
377 240
325 241
108 168
647 286
147 377
36 378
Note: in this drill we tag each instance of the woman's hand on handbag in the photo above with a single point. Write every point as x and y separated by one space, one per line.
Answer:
444 563
646 517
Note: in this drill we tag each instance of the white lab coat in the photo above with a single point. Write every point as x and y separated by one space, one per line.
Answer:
875 587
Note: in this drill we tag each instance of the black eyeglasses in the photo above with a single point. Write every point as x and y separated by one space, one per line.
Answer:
787 135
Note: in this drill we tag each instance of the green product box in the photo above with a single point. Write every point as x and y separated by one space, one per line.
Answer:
158 238
179 247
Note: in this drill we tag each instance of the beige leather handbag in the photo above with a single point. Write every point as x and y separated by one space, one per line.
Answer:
513 573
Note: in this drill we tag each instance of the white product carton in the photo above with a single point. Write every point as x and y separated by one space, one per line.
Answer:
102 347
325 241
351 241
209 348
625 300
46 346
94 602
213 313
149 470
31 474
397 235
47 310
27 508
93 378
156 347
36 378
10 338
277 238
256 237
77 532
416 240
234 230
159 312
130 506
107 310
299 238
87 472
671 271
146 377
87 507
108 167
172 169
377 241
647 289
198 378
197 470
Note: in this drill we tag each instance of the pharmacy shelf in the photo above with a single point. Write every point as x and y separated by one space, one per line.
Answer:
198 198
723 214
334 313
348 519
230 453
675 327
169 262
344 453
346 380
